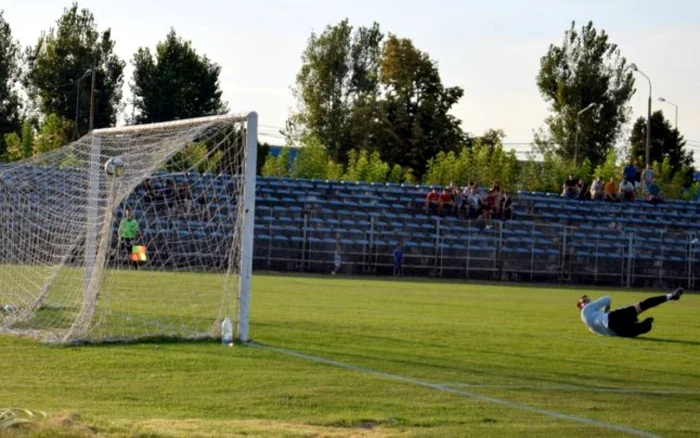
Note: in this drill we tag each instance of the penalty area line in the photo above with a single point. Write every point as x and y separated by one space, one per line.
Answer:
463 393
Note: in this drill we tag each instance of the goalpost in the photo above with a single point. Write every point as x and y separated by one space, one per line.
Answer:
129 233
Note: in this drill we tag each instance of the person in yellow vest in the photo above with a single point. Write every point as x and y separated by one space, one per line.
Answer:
129 234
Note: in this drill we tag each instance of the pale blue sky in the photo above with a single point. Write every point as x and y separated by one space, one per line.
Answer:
489 48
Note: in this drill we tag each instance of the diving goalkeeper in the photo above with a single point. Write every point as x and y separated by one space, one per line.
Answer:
621 322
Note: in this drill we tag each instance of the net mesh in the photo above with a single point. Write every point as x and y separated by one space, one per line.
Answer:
127 233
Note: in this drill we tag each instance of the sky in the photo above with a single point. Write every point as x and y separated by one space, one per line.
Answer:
491 49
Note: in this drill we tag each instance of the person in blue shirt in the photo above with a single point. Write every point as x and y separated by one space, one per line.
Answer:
631 173
398 260
654 192
621 322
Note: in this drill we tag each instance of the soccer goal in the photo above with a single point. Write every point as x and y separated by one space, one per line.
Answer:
131 233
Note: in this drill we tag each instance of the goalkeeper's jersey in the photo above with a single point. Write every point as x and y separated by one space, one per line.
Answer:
596 317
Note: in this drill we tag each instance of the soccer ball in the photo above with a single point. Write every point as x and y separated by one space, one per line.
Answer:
114 166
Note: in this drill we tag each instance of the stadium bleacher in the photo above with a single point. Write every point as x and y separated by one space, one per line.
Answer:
301 223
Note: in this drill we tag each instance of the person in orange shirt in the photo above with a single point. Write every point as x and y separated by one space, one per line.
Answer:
611 190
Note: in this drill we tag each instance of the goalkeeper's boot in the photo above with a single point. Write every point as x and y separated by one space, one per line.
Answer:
676 294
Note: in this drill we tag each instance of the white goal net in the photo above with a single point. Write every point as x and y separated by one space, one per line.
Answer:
131 233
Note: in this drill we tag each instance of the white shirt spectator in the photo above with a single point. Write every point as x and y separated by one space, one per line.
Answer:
626 187
598 187
474 199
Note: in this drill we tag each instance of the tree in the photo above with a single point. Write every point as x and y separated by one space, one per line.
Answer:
586 69
609 168
356 90
279 166
18 147
175 83
366 166
415 112
311 160
337 88
55 132
484 163
666 141
263 152
63 56
10 70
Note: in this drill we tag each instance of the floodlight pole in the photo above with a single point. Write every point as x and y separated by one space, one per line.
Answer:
661 99
634 67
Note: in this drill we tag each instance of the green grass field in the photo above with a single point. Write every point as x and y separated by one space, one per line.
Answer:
377 358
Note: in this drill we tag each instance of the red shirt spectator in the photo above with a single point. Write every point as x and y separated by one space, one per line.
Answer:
433 199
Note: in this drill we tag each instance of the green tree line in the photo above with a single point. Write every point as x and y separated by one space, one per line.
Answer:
370 105
486 162
55 77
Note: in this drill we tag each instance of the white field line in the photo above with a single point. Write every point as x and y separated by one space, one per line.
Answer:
447 389
574 388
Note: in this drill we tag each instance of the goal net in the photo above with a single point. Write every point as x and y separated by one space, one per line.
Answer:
131 233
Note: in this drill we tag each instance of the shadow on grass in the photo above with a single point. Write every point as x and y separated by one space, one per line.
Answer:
670 341
147 340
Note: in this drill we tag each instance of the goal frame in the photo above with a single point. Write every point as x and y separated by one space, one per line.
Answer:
247 228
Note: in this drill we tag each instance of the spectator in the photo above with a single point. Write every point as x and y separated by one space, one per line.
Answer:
461 197
474 199
129 234
489 208
203 205
611 190
152 194
506 207
638 180
630 172
627 190
570 188
432 200
169 193
458 199
648 176
582 190
446 200
598 189
398 260
654 192
185 198
337 260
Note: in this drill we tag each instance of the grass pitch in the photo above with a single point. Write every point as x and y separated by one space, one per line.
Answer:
377 358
